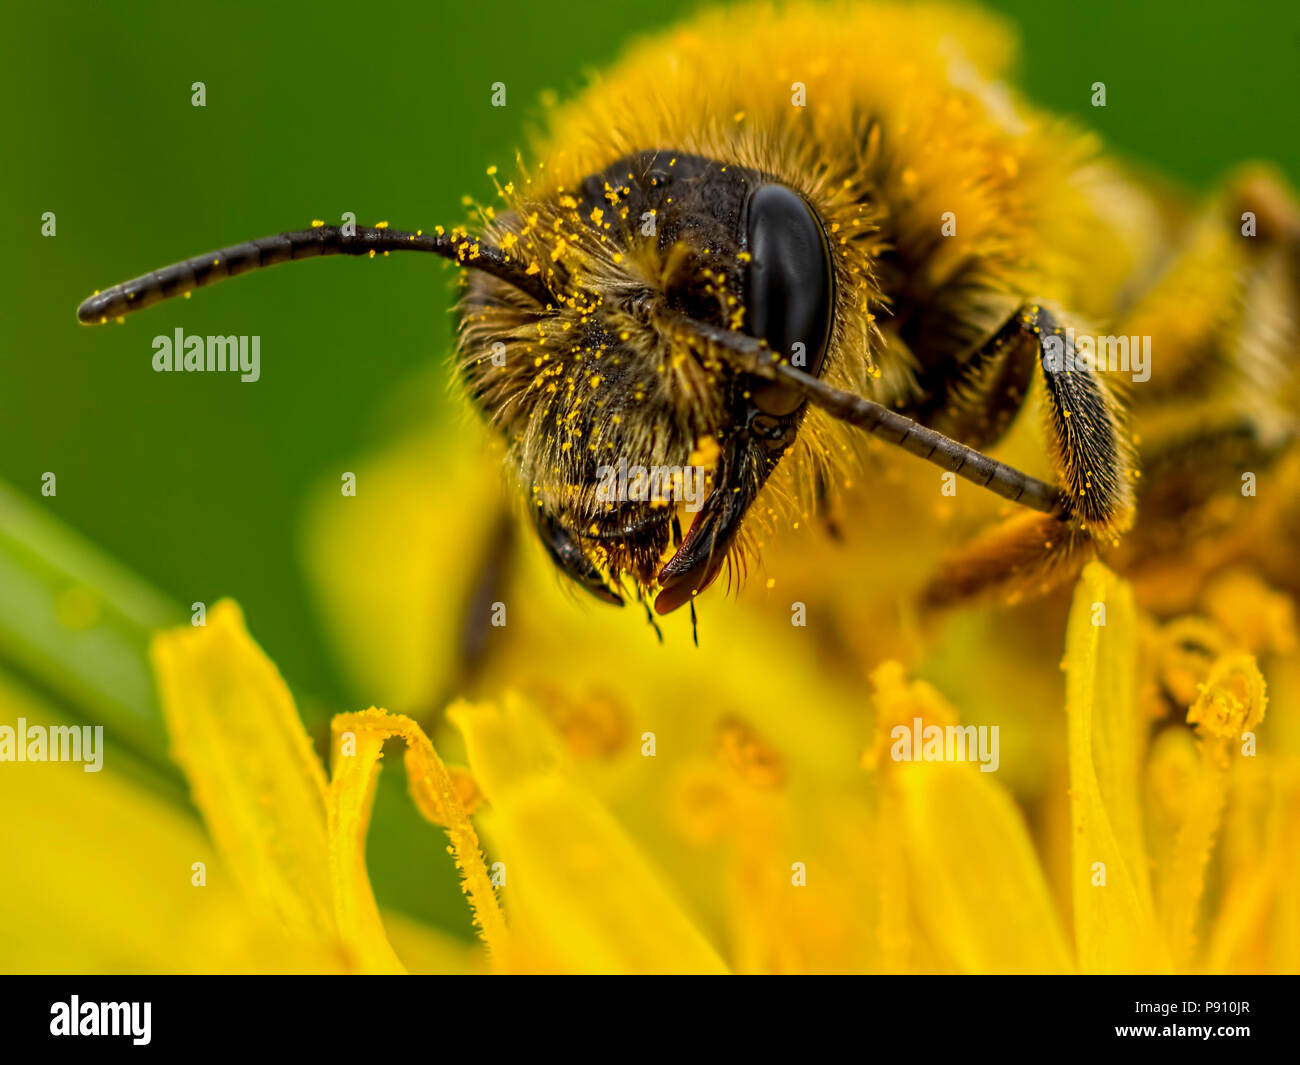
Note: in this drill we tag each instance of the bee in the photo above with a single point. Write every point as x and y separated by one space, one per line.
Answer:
772 228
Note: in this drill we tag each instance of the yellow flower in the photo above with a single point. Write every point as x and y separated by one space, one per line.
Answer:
1150 828
922 866
587 901
110 876
643 808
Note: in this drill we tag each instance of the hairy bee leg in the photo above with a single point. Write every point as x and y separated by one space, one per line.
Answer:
1195 464
979 404
1221 404
1087 442
1226 305
898 429
1032 554
1027 555
564 550
1227 312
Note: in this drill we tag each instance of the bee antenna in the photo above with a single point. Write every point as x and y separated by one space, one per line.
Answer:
189 274
751 355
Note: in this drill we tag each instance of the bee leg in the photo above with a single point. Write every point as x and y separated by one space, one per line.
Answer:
1225 312
1087 441
1024 556
1090 453
1219 411
564 550
978 403
1225 307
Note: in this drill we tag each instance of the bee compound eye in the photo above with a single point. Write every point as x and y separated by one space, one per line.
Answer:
790 286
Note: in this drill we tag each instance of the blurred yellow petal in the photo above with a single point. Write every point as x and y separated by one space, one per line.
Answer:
1231 701
1284 932
1281 952
103 877
977 885
1114 926
579 894
254 775
358 746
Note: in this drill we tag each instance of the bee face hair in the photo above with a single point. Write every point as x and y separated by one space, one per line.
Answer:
613 368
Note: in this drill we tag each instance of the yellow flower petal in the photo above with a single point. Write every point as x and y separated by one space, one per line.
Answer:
104 873
358 744
253 772
349 801
1114 926
580 896
977 886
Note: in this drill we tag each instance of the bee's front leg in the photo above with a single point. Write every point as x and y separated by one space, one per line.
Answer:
1092 459
1087 441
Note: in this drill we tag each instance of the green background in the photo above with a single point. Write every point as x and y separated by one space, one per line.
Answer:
197 483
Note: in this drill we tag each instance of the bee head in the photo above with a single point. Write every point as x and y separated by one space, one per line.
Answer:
604 331
610 390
